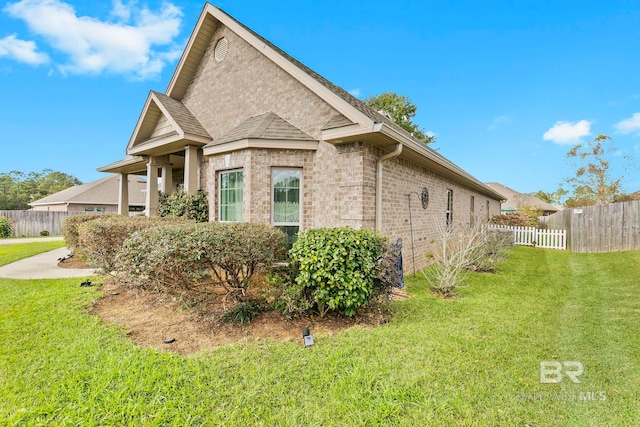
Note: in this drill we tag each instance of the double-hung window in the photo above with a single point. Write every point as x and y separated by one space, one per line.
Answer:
230 206
286 200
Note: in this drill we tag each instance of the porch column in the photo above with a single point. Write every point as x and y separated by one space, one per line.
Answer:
191 169
152 187
167 179
123 195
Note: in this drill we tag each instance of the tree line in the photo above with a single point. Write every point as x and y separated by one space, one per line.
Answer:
18 189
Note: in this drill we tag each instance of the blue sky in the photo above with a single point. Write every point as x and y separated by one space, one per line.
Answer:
507 87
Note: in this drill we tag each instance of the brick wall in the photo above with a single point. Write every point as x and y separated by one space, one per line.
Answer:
338 181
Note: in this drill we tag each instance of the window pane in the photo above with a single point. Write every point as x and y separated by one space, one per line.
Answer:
231 196
286 196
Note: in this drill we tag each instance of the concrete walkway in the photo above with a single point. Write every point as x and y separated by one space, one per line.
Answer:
42 266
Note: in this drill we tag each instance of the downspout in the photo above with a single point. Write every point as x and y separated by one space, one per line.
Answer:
394 153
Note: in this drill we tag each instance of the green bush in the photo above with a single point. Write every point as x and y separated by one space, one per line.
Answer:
183 257
101 239
239 249
70 228
44 233
180 204
337 267
515 219
166 257
5 227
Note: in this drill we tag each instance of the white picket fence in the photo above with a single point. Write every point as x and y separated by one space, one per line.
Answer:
531 236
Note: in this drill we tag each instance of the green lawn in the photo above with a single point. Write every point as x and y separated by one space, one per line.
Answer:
15 252
471 361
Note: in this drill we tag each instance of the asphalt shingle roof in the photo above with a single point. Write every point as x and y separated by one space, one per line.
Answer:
264 126
102 191
181 114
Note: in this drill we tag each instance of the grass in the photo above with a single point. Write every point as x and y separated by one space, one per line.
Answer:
17 251
470 361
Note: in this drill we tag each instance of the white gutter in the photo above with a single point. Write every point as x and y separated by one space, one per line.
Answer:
394 153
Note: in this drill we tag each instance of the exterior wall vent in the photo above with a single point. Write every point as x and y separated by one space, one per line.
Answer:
221 49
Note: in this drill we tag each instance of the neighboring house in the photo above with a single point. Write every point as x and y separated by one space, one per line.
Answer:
99 196
272 141
516 201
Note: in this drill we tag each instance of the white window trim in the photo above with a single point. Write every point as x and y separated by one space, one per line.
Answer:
301 203
220 173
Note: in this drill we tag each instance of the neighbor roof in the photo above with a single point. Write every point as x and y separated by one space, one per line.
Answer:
101 192
518 201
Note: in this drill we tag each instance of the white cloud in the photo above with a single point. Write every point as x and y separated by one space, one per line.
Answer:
630 125
567 132
127 46
355 92
22 50
497 122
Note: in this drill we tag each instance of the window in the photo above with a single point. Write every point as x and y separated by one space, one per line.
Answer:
88 209
488 213
285 201
472 214
230 196
449 217
101 210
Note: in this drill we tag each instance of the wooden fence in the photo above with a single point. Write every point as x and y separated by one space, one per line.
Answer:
531 236
31 223
601 228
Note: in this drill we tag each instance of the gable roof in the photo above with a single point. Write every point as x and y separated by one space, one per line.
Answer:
180 125
101 192
358 121
517 201
267 130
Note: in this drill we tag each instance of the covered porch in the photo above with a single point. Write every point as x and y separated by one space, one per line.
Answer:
165 147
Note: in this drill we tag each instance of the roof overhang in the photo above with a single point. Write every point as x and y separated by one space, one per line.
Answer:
137 165
280 144
167 144
387 138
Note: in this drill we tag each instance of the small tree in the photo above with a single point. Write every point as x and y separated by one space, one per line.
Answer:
593 182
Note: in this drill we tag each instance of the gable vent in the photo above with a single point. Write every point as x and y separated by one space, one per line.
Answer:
221 49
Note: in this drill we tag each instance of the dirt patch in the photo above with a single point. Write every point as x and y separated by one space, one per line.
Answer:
73 263
151 318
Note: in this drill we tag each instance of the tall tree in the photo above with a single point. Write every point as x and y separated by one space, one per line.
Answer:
401 110
18 189
593 182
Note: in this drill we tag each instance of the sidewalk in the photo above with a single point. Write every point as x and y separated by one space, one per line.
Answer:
42 266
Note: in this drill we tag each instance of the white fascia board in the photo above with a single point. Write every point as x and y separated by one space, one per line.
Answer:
273 144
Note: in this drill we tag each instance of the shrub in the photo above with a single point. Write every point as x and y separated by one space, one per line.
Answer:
185 256
515 219
164 257
243 312
70 228
101 238
337 267
44 233
180 204
290 298
237 250
462 249
6 228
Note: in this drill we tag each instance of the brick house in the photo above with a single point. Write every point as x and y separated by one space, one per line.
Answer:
272 141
